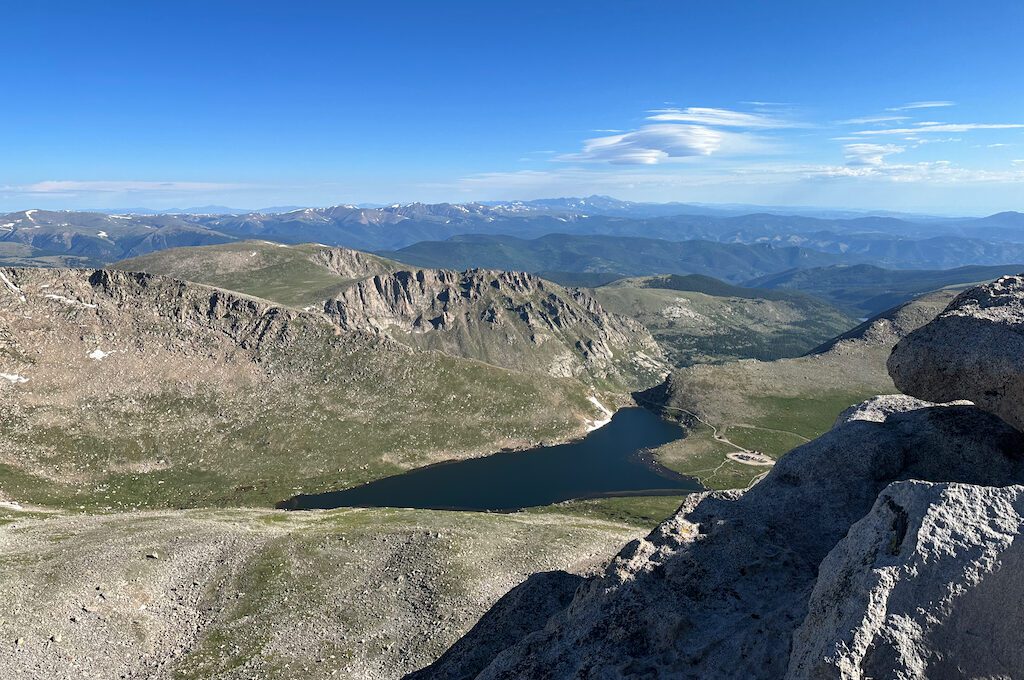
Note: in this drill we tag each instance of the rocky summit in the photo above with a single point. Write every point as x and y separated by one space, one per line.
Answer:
885 548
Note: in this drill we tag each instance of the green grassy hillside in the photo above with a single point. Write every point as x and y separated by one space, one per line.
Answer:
774 406
295 276
698 319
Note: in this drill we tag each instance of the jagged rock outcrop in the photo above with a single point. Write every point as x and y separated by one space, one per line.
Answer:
974 350
246 321
718 590
352 264
136 299
510 319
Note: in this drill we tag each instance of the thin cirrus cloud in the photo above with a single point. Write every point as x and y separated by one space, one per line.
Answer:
865 154
869 120
676 134
719 118
910 106
934 126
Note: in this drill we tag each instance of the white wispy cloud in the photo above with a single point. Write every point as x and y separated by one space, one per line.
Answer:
868 120
735 154
933 172
925 173
909 106
870 154
768 104
935 126
719 118
681 133
918 141
575 179
665 142
650 145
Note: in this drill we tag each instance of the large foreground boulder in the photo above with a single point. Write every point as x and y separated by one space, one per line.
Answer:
928 585
718 590
973 350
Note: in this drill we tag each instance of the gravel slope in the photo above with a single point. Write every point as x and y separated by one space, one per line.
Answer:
267 594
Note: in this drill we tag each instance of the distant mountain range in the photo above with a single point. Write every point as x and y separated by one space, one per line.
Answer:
624 256
592 205
870 290
91 238
861 289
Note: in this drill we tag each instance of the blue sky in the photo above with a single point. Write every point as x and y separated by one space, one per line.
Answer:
897 105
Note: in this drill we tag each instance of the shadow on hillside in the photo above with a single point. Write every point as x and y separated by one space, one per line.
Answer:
521 611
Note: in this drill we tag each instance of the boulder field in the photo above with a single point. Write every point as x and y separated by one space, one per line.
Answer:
884 549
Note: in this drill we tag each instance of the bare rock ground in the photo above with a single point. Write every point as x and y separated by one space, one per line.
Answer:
265 594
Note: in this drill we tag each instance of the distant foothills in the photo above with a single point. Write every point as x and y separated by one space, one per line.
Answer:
597 235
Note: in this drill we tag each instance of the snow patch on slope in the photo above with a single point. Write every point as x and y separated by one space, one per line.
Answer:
68 301
598 424
14 289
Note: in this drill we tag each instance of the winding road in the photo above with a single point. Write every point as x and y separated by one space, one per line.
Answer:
741 455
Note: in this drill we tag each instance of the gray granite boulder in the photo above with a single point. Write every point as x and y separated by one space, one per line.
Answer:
973 350
927 585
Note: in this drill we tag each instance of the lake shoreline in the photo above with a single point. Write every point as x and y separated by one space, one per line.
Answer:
613 461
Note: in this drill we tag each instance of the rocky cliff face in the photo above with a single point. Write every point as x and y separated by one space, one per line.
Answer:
885 548
509 319
512 320
352 264
117 309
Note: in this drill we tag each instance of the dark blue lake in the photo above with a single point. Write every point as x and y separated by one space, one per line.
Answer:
611 461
